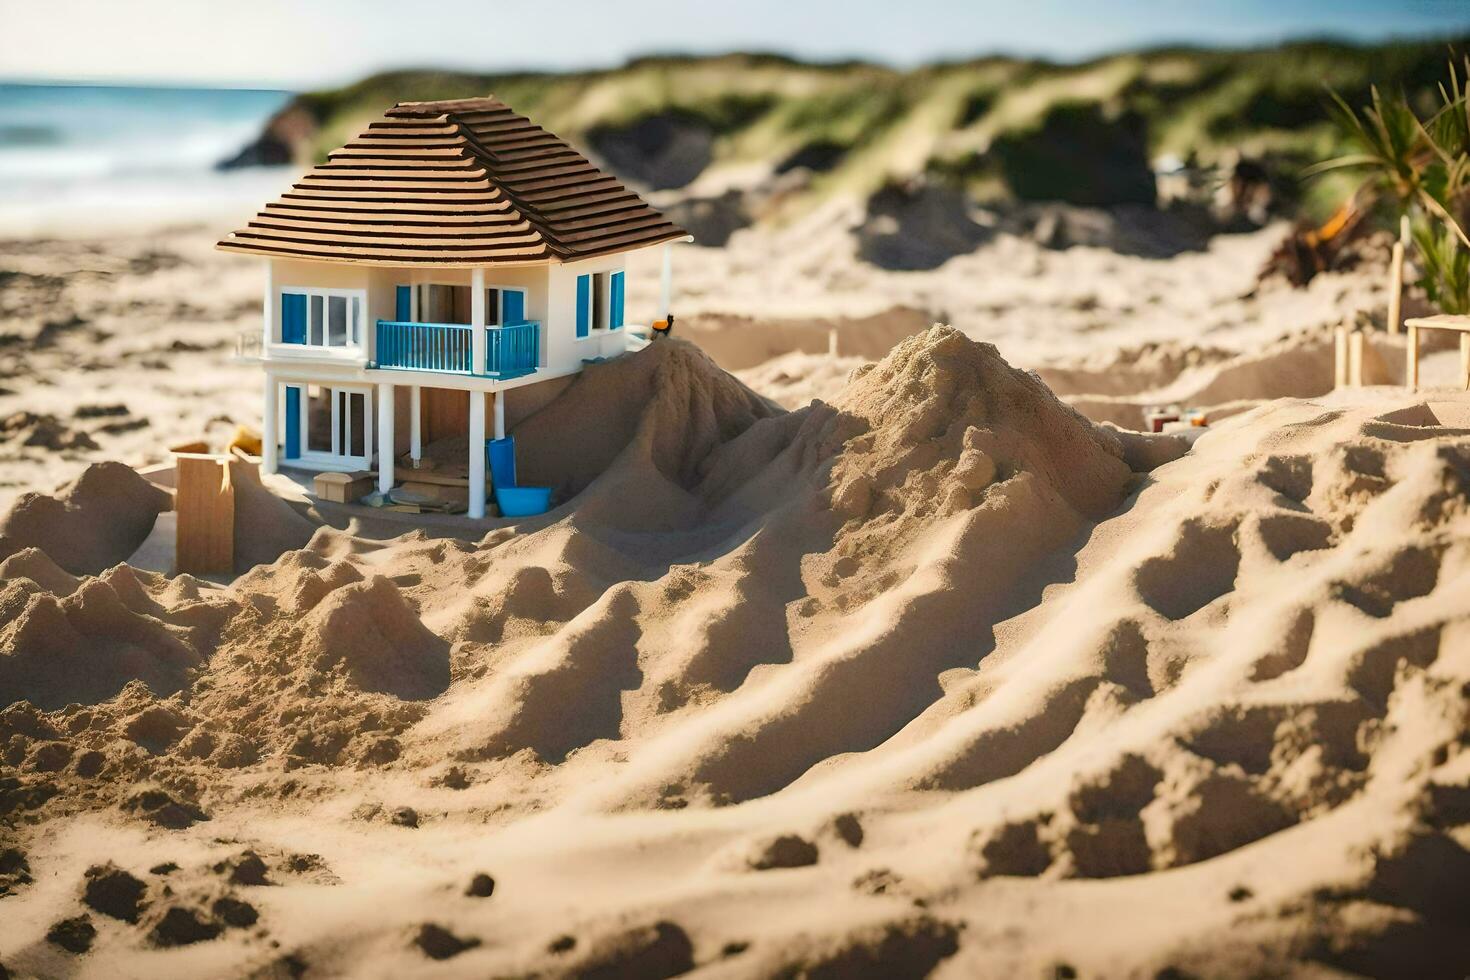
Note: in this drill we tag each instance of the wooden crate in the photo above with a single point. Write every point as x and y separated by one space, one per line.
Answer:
205 501
343 488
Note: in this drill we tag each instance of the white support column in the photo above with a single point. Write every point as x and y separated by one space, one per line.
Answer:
666 284
499 414
270 329
478 320
477 454
415 430
385 436
270 428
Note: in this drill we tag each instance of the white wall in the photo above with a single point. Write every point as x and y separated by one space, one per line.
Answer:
566 349
551 298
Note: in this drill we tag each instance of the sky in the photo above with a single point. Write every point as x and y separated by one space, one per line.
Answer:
312 43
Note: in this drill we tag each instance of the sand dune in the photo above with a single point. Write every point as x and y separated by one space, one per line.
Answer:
922 679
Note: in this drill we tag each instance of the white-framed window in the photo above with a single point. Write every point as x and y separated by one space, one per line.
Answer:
323 318
506 304
600 297
328 425
600 301
434 302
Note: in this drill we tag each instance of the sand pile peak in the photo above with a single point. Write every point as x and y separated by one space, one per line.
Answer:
371 631
670 393
96 521
84 644
940 397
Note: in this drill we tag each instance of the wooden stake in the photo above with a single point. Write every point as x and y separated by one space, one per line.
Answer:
1411 360
1340 359
1396 278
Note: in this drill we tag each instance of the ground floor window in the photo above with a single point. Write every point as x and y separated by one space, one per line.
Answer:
329 425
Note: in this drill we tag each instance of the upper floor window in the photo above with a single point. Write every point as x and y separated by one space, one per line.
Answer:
438 303
599 302
322 317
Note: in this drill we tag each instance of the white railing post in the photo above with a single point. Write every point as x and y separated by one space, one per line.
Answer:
477 454
478 321
269 426
385 437
415 415
499 414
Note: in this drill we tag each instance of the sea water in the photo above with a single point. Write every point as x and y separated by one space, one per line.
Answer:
92 156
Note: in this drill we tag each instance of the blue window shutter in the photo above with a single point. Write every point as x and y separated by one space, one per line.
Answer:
403 305
584 305
293 318
293 421
513 301
617 300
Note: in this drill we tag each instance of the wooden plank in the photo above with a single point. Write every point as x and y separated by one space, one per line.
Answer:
1339 358
380 181
377 211
1440 321
451 153
614 226
406 169
392 229
386 196
205 500
407 474
394 249
420 238
1411 353
390 221
445 413
546 257
1395 287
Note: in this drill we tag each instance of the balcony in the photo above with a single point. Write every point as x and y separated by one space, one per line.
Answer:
511 351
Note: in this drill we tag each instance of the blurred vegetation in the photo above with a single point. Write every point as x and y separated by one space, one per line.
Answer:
1410 158
999 126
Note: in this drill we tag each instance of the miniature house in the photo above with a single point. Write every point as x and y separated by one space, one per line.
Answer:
452 250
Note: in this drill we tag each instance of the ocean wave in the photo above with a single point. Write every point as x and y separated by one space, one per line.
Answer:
61 134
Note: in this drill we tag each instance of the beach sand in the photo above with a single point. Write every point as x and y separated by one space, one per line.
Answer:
943 674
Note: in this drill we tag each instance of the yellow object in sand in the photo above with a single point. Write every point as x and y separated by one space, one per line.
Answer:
245 439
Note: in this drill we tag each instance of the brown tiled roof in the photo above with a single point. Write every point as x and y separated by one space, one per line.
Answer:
461 183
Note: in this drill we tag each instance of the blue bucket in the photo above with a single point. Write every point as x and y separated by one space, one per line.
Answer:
522 501
501 455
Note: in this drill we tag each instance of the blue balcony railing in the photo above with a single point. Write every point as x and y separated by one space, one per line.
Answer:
510 351
443 347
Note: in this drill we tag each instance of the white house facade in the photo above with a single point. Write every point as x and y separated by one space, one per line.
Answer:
451 254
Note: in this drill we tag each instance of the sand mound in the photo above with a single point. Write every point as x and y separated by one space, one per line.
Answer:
98 520
265 526
921 679
825 509
84 643
1120 389
670 393
370 631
